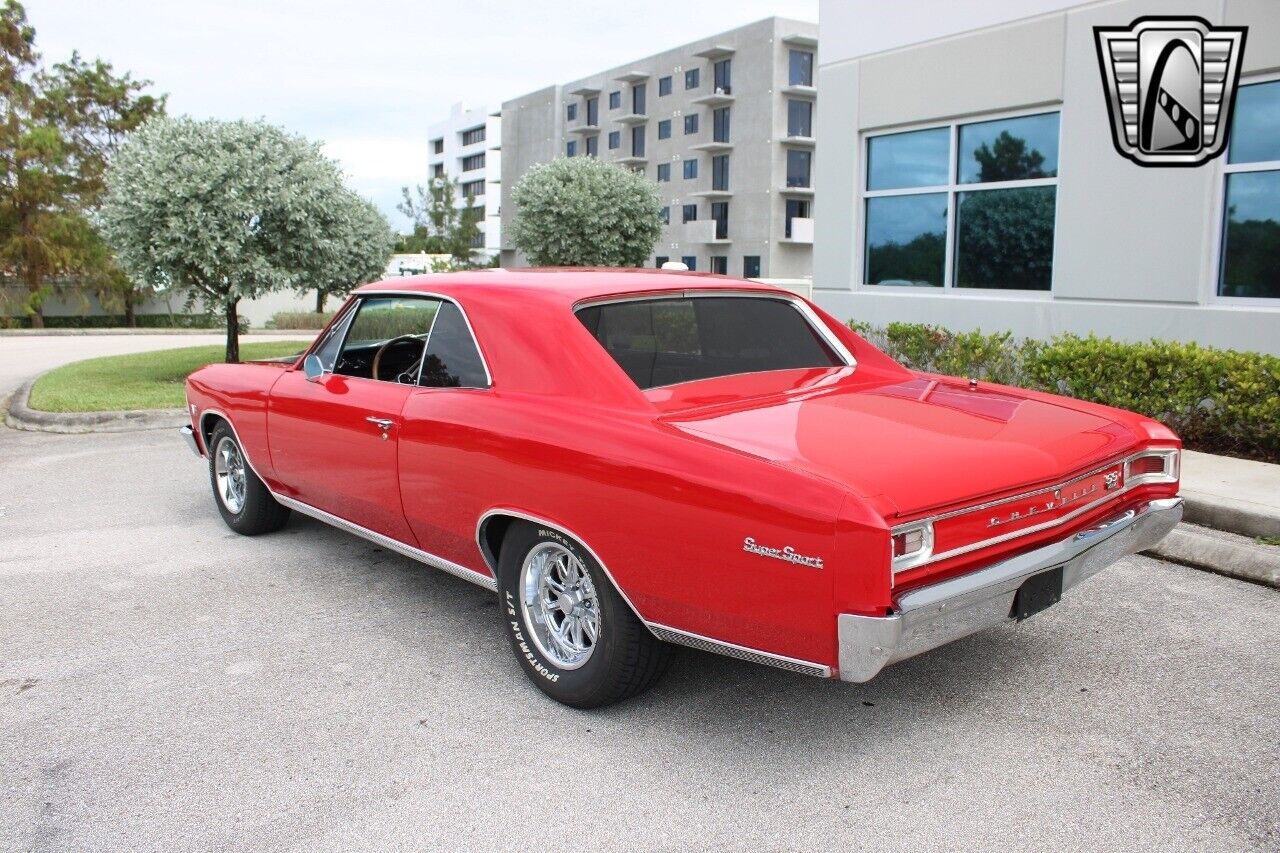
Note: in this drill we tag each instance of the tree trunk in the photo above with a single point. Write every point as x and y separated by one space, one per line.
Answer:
233 332
320 297
130 312
34 283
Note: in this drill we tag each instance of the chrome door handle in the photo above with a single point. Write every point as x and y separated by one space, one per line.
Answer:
383 424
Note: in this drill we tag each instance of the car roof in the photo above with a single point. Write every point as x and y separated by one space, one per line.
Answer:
568 286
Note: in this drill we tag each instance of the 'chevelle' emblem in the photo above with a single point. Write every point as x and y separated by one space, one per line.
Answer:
786 554
1109 481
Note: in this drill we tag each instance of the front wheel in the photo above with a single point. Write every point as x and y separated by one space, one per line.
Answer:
243 500
573 633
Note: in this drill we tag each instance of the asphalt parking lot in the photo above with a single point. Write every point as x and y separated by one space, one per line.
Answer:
166 684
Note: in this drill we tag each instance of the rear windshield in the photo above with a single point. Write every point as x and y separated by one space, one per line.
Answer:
665 341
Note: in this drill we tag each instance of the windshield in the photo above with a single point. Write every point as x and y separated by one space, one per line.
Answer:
664 341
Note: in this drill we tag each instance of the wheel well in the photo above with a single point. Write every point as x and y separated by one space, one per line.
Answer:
490 535
208 423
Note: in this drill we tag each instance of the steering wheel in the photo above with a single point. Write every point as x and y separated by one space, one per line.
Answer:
377 357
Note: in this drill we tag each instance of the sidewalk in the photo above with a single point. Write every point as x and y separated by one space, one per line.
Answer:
1236 495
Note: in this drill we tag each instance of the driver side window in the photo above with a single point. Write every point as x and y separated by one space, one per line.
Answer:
389 334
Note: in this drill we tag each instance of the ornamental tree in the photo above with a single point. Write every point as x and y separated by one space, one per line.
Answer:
226 210
580 211
355 252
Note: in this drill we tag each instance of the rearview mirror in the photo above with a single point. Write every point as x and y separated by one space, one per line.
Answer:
313 368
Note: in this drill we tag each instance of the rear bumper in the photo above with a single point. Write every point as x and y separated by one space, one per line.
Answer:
935 615
190 435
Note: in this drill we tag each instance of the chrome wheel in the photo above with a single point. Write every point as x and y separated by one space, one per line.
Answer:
228 474
559 605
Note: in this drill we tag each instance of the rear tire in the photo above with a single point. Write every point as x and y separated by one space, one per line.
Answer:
576 637
243 500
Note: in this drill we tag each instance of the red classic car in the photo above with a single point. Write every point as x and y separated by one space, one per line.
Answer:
632 459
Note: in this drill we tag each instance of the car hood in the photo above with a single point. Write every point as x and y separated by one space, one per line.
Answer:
923 443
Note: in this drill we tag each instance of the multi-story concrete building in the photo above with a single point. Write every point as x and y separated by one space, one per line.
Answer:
970 177
724 125
466 148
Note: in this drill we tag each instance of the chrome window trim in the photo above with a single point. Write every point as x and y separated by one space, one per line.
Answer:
427 294
805 310
1055 522
339 326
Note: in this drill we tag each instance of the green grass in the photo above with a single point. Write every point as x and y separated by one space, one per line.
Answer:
146 380
1269 540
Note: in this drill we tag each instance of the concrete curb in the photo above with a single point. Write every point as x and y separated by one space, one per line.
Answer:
21 416
1234 516
1222 553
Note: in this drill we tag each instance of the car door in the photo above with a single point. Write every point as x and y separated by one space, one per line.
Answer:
443 440
334 441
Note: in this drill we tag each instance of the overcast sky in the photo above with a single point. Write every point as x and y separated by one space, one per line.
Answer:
367 78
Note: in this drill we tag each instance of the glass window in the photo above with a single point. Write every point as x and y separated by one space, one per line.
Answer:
593 146
637 98
473 136
689 261
691 80
378 322
664 172
664 129
797 208
1014 149
800 68
615 100
327 351
437 170
1255 128
915 159
720 125
750 266
720 264
659 260
722 73
473 189
689 213
1251 235
691 123
661 342
615 139
666 215
593 111
473 162
720 172
664 86
1004 240
452 360
637 141
570 148
720 215
690 169
570 112
799 118
437 146
799 167
907 239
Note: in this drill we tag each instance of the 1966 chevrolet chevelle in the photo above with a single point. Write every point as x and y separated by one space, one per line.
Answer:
632 459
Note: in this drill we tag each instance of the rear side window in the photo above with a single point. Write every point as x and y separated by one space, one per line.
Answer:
452 360
666 341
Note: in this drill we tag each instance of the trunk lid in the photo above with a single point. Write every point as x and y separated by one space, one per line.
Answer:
922 443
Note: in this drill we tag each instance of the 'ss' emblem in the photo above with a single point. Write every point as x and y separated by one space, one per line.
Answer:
1111 480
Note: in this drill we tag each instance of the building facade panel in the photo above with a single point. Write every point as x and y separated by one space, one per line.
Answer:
930 212
465 148
723 155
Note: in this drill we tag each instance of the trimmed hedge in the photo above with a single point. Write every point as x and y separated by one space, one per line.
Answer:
308 320
117 321
1219 401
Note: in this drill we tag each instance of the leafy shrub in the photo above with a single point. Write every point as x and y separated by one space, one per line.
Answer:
117 321
1216 400
309 320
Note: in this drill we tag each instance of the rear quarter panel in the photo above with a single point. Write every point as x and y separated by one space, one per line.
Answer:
665 512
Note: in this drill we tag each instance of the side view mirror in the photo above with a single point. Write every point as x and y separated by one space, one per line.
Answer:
313 368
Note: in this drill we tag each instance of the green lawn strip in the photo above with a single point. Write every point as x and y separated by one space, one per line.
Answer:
145 380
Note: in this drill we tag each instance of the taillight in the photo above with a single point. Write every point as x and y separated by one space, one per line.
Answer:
912 544
1156 466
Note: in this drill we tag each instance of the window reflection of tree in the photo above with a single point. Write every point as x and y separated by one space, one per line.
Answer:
1252 257
435 374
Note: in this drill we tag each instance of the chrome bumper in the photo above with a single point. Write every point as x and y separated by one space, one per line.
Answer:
190 435
935 615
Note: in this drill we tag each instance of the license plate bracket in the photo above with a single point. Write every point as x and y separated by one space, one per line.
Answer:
1038 592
